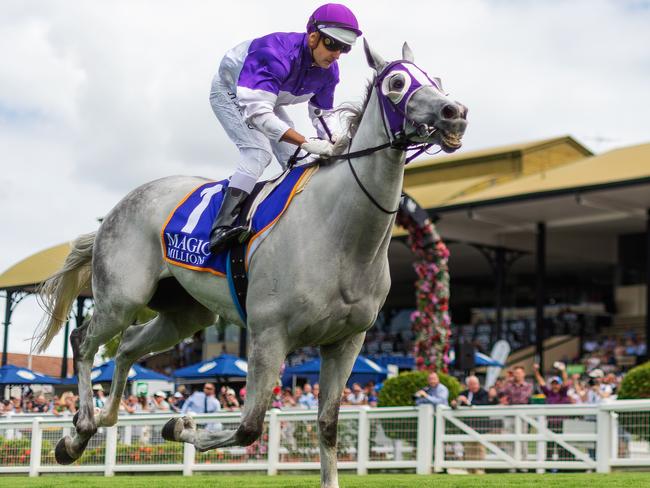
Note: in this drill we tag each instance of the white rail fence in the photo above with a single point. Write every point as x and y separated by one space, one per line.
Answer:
529 437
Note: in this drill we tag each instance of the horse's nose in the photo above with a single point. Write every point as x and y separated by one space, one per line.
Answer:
450 111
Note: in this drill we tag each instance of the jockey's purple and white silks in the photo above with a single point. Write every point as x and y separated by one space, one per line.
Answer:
255 80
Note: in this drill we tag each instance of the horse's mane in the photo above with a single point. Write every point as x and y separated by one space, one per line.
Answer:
351 113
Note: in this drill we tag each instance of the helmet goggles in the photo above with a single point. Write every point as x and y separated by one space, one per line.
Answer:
334 45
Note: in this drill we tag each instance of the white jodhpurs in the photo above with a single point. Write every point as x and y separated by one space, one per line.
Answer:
255 149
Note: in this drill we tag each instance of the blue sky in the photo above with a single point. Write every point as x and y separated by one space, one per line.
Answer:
99 97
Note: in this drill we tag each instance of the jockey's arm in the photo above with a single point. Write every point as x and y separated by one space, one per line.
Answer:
293 137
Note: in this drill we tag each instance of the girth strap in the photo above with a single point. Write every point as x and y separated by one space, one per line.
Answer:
238 278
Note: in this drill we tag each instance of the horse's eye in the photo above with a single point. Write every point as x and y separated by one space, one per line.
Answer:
397 83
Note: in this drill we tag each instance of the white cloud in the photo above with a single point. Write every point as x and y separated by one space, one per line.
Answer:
99 97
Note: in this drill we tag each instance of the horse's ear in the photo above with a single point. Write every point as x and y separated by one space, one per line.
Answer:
407 54
375 61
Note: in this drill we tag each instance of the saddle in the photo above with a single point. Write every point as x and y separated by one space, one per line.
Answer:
185 237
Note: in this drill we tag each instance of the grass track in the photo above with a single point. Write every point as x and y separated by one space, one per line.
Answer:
627 480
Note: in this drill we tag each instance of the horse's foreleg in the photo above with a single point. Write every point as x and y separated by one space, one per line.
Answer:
267 352
337 361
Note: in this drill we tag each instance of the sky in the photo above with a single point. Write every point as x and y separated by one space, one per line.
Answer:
99 97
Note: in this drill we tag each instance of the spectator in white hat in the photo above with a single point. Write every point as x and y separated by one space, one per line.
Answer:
159 403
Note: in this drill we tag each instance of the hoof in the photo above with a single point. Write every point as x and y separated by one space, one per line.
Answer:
172 429
61 452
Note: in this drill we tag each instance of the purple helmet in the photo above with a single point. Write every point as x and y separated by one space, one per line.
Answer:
336 21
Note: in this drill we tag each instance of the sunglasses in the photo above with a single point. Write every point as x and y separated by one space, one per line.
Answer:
332 44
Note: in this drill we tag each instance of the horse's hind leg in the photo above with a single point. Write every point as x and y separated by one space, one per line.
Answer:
102 327
267 352
160 333
336 365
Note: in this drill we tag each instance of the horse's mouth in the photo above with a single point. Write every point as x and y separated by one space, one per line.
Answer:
450 141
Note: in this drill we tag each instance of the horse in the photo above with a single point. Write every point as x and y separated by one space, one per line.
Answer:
318 279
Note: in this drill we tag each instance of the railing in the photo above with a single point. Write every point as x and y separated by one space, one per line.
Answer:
530 437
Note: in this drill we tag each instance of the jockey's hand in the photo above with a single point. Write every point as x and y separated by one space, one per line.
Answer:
318 146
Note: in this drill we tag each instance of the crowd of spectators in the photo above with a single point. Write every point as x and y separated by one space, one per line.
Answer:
204 400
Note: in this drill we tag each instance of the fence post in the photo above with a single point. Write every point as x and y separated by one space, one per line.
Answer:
604 426
35 448
274 443
541 445
363 441
189 453
110 459
439 432
425 439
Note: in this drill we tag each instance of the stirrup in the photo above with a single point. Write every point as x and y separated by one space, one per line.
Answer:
224 237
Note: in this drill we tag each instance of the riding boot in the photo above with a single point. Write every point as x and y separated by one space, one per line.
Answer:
224 231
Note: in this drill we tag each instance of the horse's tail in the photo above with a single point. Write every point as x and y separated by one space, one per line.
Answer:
57 293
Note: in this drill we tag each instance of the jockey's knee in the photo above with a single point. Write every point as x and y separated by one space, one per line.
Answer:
252 164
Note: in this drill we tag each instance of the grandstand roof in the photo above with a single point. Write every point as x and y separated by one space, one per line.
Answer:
35 268
619 167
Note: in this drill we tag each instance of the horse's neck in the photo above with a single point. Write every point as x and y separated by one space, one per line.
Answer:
362 226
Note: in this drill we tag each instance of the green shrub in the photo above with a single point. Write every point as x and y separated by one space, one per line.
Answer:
399 391
636 383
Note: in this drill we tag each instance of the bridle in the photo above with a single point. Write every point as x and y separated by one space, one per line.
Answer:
395 121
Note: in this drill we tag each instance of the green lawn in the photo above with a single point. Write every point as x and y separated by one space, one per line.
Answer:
628 480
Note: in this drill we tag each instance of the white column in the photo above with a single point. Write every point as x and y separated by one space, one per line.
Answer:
110 459
363 441
189 453
425 439
604 447
35 448
274 442
439 432
518 445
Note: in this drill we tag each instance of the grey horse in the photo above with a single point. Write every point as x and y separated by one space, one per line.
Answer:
318 279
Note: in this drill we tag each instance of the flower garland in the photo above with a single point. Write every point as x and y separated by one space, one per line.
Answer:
430 321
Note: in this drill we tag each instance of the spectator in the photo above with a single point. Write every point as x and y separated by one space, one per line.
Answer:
316 392
357 396
231 404
344 396
473 395
159 403
132 405
144 404
176 402
99 397
202 402
287 399
297 393
41 405
503 399
371 394
16 406
67 404
556 393
516 387
435 394
493 396
307 399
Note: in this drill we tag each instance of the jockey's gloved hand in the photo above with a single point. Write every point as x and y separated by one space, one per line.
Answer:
317 146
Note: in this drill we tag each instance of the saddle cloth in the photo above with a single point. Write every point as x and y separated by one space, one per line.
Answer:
186 233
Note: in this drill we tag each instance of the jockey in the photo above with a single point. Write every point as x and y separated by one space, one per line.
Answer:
254 81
